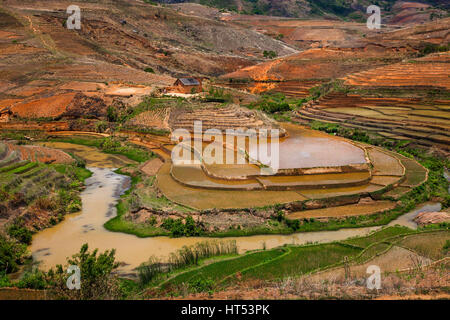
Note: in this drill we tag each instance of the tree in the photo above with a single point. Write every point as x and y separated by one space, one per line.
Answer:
11 253
97 280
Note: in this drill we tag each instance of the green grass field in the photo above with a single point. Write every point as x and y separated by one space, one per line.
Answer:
301 260
220 270
378 236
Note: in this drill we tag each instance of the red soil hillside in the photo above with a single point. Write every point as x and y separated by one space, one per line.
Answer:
319 63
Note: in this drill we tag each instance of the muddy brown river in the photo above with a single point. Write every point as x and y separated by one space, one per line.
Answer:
51 246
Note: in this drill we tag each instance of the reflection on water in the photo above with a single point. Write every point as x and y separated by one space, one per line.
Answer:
305 148
51 246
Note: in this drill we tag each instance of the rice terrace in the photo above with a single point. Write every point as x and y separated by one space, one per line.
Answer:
223 150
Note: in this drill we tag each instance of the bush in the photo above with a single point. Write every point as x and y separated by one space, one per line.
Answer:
111 114
201 285
33 280
269 54
46 203
218 95
97 280
180 229
274 103
11 254
293 224
22 234
446 246
4 280
101 126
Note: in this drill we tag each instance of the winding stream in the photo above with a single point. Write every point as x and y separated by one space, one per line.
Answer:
51 246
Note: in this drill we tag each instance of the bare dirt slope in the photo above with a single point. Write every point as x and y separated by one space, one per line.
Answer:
124 50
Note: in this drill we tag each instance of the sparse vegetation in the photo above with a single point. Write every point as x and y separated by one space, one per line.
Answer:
269 54
111 145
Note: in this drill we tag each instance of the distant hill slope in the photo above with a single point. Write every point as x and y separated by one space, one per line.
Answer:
348 9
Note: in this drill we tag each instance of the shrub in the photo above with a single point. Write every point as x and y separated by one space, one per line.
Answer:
269 54
293 224
97 280
111 114
273 103
19 232
180 229
201 284
11 253
218 95
446 246
33 280
46 203
4 280
101 126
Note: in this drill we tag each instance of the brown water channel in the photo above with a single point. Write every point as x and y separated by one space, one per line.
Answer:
51 246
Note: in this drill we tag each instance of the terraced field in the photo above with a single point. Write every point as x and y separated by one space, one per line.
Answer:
220 118
23 181
201 186
38 153
407 101
291 88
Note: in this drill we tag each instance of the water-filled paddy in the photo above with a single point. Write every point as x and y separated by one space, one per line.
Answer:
305 148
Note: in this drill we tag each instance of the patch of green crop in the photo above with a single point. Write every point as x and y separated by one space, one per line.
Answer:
378 236
302 260
219 270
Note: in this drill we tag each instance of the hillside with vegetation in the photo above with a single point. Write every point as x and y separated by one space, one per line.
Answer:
340 9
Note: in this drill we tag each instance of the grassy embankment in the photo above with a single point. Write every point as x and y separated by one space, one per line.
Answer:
45 193
295 261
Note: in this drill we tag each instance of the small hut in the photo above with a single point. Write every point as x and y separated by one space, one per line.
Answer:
187 85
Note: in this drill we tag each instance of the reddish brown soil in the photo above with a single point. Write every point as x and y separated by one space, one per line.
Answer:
151 167
319 63
46 107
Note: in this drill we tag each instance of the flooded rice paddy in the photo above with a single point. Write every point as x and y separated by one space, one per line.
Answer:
304 148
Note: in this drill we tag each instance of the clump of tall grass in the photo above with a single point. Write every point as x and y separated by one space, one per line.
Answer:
190 255
186 256
150 270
